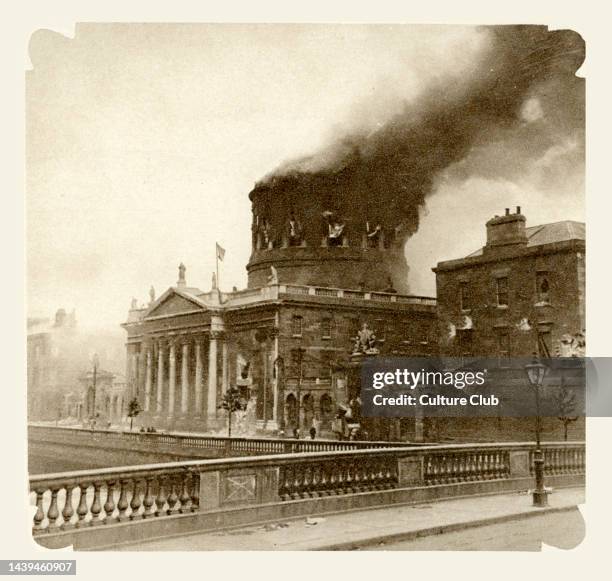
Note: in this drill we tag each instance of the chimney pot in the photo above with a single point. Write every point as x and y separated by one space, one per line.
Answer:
507 211
518 209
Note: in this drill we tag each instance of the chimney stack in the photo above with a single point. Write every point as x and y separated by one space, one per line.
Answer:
507 230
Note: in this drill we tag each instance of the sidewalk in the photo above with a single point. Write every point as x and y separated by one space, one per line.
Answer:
352 529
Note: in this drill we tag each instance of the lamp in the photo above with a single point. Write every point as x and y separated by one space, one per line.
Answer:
536 372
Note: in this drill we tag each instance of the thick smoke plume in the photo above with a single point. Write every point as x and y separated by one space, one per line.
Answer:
385 177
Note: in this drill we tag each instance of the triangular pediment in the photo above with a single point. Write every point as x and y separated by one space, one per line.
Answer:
174 303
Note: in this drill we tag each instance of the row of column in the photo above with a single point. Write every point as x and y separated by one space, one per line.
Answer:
167 348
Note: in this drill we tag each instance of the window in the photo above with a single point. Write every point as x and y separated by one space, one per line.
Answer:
502 291
544 343
326 362
297 359
542 287
465 304
296 326
465 342
503 343
326 325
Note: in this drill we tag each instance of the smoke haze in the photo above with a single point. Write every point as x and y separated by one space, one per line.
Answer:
143 141
516 109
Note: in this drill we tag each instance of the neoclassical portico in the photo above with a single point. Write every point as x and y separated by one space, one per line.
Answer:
179 381
178 357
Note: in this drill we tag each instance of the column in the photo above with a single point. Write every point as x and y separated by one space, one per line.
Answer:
171 379
148 373
185 379
134 376
160 377
198 386
224 368
212 375
276 371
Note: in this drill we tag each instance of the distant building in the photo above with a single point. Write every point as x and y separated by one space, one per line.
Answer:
59 352
103 397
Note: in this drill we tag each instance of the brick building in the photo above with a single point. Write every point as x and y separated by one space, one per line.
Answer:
522 293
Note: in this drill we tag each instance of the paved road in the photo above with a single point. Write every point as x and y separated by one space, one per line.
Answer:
564 530
356 529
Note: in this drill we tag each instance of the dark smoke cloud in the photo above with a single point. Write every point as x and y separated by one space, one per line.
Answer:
386 176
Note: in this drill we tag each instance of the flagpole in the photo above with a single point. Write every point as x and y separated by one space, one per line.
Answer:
217 262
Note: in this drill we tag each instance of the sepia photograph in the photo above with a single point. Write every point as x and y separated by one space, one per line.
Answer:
229 224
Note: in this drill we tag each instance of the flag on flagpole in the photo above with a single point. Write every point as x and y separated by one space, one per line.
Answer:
220 251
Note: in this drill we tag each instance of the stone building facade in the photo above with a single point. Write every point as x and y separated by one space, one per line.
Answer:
286 346
523 293
318 272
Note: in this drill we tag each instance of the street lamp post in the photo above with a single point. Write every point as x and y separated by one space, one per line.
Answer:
536 372
95 372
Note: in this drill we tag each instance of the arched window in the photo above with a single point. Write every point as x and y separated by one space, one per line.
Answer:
327 411
291 410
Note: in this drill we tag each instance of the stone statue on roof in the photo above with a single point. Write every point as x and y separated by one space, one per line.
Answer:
273 278
181 279
365 341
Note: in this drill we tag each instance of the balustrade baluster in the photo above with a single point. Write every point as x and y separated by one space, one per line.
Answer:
68 508
463 468
333 478
348 481
148 501
109 505
195 491
173 498
316 481
161 498
135 502
428 470
96 505
53 512
122 504
456 469
40 515
82 509
442 469
184 498
486 462
324 484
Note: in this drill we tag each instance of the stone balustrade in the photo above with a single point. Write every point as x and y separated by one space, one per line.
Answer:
228 446
71 503
273 292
